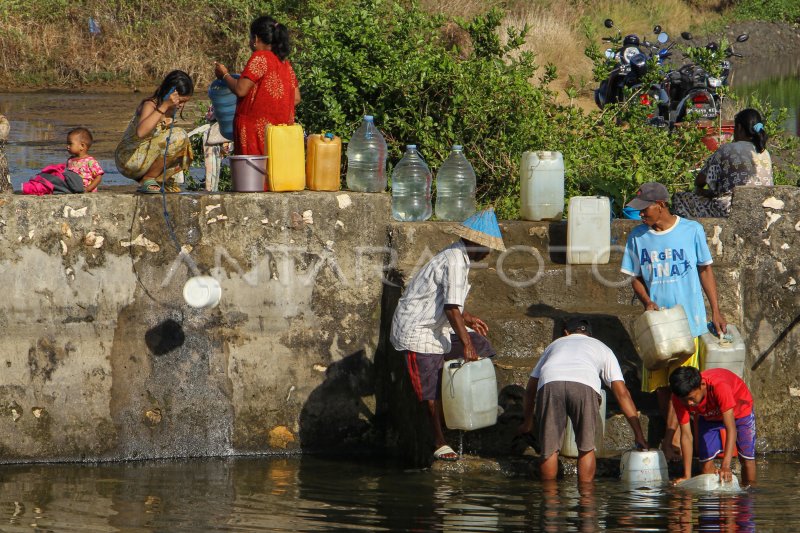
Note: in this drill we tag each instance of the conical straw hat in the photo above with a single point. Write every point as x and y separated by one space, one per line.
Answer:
482 228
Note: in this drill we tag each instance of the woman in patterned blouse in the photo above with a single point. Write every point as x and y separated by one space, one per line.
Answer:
267 88
745 161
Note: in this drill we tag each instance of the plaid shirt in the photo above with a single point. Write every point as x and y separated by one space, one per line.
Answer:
420 324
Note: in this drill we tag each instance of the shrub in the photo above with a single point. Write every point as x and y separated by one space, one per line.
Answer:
392 61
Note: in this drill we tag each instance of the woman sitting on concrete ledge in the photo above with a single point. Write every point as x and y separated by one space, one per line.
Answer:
140 153
745 161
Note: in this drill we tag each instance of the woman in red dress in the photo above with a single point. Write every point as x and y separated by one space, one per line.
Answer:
267 88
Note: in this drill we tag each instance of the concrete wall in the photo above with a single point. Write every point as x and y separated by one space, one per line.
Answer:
101 358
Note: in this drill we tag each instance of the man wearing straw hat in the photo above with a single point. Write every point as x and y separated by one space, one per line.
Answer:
432 304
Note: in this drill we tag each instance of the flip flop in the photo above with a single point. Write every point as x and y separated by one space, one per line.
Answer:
146 187
445 453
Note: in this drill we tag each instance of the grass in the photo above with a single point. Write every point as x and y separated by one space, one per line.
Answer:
49 39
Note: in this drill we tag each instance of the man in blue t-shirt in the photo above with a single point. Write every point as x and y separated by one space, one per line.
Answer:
669 263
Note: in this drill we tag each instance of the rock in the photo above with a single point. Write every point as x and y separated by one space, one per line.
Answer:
280 437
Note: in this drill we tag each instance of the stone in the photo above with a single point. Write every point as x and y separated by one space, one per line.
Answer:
280 437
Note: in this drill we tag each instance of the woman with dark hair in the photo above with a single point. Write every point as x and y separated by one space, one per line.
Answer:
140 153
745 161
267 88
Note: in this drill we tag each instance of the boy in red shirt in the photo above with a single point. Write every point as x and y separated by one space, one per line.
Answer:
720 400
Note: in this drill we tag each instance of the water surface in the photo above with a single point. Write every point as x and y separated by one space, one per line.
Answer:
312 494
40 122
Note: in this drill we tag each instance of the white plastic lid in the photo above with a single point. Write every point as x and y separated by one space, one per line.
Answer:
202 292
411 147
457 147
368 118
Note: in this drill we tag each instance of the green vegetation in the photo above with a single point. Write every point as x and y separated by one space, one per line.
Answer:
773 10
428 79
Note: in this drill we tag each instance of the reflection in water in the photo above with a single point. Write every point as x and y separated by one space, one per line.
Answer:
312 494
780 92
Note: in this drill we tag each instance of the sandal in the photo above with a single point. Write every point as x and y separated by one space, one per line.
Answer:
445 453
149 186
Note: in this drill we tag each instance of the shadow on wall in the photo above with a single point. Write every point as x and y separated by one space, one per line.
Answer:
336 415
165 337
399 415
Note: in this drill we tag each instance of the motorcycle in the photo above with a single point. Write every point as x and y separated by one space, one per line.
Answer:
631 63
693 87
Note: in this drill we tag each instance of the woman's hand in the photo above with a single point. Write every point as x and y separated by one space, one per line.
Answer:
220 70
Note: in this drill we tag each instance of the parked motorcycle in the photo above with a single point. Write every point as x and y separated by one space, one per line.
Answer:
695 86
631 62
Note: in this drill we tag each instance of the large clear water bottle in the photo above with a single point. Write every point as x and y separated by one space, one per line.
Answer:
411 187
455 187
366 159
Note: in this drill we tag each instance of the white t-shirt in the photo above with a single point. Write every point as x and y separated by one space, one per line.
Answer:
420 323
578 358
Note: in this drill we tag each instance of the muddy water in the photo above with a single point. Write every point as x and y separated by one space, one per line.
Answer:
40 122
780 91
312 494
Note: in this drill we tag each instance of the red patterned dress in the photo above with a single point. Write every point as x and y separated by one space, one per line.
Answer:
269 101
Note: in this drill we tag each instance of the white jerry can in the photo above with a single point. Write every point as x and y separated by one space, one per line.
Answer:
588 230
469 394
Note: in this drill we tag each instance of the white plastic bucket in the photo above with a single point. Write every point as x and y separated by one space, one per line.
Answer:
569 448
643 466
663 337
542 185
588 230
248 172
469 394
729 352
202 292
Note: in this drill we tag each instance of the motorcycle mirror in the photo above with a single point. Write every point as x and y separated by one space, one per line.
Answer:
656 29
686 35
662 37
742 38
608 23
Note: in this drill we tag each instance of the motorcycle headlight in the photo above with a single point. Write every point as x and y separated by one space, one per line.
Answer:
638 60
714 82
628 53
610 53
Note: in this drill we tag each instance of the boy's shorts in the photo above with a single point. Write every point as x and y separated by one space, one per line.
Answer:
425 369
711 445
654 379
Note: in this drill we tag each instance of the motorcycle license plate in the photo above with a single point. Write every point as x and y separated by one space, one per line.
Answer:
706 112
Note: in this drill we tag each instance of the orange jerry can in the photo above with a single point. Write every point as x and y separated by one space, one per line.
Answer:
323 164
285 158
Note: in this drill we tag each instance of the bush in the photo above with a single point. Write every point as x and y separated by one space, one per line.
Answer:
395 62
774 10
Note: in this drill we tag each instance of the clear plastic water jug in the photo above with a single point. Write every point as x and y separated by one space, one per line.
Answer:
224 102
455 187
588 230
569 448
663 337
366 159
639 466
469 394
727 352
542 185
411 187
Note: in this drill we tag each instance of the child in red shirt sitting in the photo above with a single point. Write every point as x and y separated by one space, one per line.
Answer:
720 400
